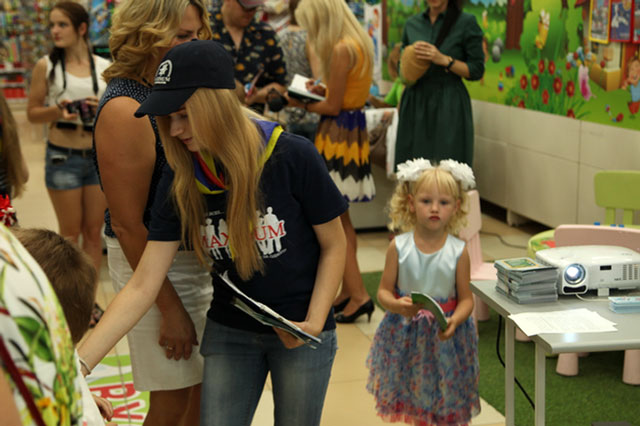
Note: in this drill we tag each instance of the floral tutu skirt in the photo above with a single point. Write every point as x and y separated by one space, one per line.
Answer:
420 380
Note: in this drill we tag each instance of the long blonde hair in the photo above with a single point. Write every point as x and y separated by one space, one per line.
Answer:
141 32
220 126
11 159
404 220
328 22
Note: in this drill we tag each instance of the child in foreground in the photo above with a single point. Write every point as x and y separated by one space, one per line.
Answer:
419 374
74 281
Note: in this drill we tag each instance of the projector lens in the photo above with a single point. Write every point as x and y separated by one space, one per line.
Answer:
574 274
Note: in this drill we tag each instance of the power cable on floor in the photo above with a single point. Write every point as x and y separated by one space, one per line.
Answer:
502 362
502 240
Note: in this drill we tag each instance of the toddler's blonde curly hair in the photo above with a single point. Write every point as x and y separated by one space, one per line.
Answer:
400 215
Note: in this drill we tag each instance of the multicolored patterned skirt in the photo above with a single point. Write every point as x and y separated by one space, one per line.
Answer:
420 380
343 142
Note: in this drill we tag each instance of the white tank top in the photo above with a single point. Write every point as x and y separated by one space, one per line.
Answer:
77 87
434 273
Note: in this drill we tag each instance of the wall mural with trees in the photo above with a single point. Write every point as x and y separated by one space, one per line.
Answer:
576 58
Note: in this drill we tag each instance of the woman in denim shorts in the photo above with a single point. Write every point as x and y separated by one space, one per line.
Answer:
65 88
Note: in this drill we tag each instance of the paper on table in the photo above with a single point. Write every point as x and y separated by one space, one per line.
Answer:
567 321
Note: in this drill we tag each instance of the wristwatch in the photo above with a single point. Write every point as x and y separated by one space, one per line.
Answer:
451 61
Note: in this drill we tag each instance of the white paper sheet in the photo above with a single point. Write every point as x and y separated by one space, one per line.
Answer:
567 321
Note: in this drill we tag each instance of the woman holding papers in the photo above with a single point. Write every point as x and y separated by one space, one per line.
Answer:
260 203
346 62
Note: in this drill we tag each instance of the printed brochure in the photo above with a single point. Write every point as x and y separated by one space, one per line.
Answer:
265 314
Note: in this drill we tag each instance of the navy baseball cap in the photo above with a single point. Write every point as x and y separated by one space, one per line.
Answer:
184 69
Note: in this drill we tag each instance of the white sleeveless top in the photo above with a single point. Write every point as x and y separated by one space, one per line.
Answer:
433 274
77 87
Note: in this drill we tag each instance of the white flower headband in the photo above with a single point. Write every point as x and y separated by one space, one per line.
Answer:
410 171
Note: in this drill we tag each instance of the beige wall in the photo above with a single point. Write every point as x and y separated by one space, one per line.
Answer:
541 166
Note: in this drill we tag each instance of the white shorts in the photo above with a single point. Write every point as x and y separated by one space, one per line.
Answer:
151 369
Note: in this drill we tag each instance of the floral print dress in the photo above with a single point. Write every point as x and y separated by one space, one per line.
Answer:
36 352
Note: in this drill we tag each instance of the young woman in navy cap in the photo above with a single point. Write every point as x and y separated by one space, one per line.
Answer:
260 203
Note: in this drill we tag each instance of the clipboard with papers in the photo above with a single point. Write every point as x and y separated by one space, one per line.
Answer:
298 90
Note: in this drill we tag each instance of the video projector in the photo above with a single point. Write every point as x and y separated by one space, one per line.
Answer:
583 268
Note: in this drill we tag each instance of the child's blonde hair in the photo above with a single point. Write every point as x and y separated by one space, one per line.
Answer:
403 220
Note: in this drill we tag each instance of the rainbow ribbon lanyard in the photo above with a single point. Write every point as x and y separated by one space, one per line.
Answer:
210 181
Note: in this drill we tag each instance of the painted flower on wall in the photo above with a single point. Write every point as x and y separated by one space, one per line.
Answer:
535 82
557 85
545 97
523 82
570 88
552 67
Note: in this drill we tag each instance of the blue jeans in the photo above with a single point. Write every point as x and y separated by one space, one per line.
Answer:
236 363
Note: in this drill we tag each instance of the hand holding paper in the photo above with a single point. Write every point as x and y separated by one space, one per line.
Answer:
302 90
267 316
430 304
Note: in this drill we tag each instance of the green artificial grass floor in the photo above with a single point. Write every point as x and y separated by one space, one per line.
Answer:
596 394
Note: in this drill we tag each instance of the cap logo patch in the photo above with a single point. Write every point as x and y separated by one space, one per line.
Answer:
163 75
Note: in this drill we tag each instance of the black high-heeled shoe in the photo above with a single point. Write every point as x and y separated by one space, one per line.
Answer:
367 308
340 306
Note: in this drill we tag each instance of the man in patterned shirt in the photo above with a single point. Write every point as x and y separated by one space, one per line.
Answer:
259 64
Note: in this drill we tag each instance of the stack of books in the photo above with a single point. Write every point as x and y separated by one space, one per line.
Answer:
625 304
524 280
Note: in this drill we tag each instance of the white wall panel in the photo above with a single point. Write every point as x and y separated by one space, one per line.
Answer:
542 187
607 147
489 159
491 120
545 133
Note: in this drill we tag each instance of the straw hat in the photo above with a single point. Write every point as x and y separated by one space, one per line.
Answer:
412 68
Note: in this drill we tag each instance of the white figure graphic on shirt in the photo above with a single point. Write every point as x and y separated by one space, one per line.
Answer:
261 235
272 227
223 235
209 233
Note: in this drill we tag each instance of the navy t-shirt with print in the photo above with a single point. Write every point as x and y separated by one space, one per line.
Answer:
297 193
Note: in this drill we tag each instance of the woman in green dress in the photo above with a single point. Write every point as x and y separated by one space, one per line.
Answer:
435 111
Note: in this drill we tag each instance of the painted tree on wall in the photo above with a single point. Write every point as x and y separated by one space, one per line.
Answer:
515 16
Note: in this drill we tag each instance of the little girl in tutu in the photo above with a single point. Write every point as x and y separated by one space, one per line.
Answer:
418 373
